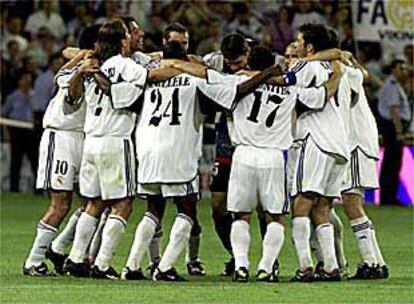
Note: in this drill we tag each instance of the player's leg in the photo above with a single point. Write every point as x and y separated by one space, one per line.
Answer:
97 237
88 221
325 234
154 249
242 201
179 237
47 228
339 242
144 235
194 265
221 217
240 240
361 226
56 174
274 203
112 234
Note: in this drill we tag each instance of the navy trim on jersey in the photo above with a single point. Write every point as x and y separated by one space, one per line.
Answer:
127 160
298 66
286 202
49 162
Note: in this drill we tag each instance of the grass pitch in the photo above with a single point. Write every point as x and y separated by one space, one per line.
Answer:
20 213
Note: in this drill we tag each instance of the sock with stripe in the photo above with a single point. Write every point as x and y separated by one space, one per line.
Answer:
272 244
154 249
143 236
83 235
97 237
362 231
301 231
111 237
377 250
66 236
179 236
44 236
240 242
338 237
325 234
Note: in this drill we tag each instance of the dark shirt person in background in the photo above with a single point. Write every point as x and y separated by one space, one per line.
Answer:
395 115
18 107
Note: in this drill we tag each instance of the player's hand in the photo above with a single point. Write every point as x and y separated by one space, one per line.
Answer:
169 63
88 54
89 66
346 58
275 70
336 67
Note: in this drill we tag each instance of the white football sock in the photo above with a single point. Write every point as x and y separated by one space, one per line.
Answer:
143 235
44 236
240 242
300 235
325 234
111 237
179 236
66 236
338 237
154 249
377 250
272 244
362 231
314 244
193 248
83 235
97 237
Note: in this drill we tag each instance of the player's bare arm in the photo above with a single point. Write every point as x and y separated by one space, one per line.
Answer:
332 84
250 85
194 69
163 73
88 67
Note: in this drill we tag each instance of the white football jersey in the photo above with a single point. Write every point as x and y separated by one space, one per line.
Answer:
168 132
55 117
107 116
327 126
363 127
141 58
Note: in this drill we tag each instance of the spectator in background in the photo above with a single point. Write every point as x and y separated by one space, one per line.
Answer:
409 56
348 43
281 30
212 42
11 62
304 14
245 23
43 47
13 31
30 64
81 19
46 17
18 107
44 88
395 114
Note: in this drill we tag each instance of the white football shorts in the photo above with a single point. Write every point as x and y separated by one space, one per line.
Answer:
169 190
257 175
361 172
317 171
60 156
108 168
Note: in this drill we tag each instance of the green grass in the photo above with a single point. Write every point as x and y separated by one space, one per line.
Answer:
20 213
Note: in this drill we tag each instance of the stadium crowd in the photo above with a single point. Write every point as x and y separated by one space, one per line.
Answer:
32 75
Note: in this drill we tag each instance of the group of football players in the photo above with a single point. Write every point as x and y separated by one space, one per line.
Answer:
123 123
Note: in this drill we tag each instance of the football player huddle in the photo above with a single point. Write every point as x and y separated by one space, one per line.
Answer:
123 123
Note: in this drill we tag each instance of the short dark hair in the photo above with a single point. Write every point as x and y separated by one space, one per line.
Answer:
21 72
88 37
333 35
396 62
109 42
233 46
315 34
127 20
174 50
174 27
260 58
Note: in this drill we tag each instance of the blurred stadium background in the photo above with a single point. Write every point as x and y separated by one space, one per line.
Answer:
33 32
